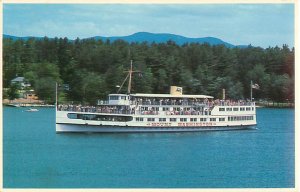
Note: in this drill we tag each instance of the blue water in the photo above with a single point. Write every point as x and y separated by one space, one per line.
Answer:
36 157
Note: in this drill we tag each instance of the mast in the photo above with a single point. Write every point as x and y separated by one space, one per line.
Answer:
251 91
56 97
130 76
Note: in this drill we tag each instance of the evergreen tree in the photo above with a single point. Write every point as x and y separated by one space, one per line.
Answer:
199 68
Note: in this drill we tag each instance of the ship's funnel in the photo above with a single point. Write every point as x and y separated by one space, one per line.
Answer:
174 90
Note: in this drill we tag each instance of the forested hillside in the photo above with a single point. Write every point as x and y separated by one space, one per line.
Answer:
93 68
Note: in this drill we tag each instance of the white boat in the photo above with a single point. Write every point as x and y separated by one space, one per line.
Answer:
173 112
14 105
32 110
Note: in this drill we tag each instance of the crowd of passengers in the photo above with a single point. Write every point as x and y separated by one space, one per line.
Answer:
125 110
152 111
96 109
211 103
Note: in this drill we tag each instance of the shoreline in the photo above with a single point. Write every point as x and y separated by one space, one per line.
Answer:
275 105
26 105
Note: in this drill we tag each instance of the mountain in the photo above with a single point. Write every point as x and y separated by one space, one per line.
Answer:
164 37
14 38
151 37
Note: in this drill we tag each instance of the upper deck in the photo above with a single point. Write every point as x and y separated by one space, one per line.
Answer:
174 98
170 96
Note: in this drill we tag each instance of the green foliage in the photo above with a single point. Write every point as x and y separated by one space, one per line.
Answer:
43 77
12 92
93 88
94 68
45 89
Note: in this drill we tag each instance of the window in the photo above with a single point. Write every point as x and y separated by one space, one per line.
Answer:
176 108
113 97
94 117
235 109
88 117
150 119
202 119
193 119
155 108
173 119
162 119
165 108
251 117
144 108
228 109
248 108
242 109
221 109
221 119
212 119
139 119
72 116
183 119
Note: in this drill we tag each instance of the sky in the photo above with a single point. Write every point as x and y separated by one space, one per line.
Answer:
261 25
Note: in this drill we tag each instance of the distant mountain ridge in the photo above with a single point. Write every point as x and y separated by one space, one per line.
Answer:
164 37
140 37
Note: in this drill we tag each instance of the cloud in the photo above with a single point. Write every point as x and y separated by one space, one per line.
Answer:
235 23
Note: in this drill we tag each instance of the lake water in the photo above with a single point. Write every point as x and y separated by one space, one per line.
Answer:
36 157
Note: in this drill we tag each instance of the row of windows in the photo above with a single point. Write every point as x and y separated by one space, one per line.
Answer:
240 118
236 109
117 97
183 119
94 117
141 119
166 108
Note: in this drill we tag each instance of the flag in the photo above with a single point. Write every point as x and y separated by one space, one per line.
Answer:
64 87
179 89
255 86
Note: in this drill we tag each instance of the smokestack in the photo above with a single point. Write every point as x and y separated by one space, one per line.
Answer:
174 90
223 94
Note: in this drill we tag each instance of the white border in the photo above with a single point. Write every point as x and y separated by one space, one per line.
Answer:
297 95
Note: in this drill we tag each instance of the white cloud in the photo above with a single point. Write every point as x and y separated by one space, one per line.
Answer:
237 24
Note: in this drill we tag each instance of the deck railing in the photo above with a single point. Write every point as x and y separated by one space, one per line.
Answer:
185 103
93 109
192 108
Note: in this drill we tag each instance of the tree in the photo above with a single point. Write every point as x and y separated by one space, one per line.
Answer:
280 87
199 68
43 77
45 89
93 88
161 81
13 91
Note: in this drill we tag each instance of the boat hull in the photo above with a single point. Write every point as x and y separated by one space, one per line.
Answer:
61 128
